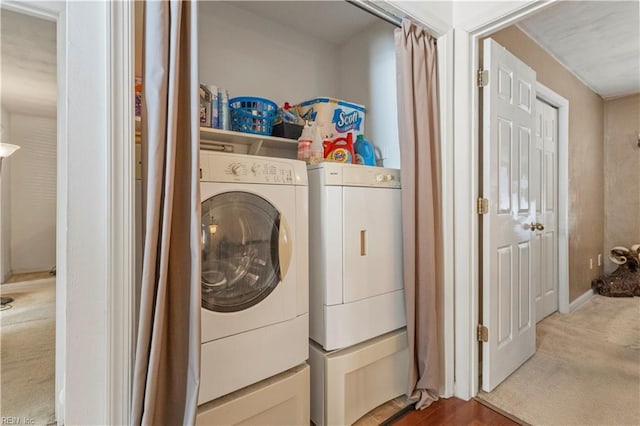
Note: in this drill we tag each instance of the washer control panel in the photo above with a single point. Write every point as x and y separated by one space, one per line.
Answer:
260 171
251 169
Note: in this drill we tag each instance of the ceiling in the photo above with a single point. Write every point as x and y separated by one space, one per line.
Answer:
332 21
28 67
599 41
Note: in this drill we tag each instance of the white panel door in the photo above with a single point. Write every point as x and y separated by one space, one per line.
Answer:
372 242
545 162
509 261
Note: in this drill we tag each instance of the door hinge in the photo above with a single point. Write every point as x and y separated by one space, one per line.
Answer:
483 205
483 77
483 333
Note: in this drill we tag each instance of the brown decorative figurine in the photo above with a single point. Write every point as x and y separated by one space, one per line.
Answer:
624 281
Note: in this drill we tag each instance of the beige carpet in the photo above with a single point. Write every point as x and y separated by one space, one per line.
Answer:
27 352
586 370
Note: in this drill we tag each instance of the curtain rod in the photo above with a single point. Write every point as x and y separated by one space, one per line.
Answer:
371 8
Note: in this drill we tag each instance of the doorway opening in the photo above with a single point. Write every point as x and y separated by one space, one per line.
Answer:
28 216
524 250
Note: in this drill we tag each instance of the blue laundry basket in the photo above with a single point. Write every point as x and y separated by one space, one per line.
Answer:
252 115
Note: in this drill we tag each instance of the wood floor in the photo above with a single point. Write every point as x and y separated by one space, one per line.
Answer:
380 414
454 411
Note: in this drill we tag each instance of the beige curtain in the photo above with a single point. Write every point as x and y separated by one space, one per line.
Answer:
167 365
420 176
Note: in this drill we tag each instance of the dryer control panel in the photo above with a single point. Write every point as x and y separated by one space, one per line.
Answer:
340 174
221 167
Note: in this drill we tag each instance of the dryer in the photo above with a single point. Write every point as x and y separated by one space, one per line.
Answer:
355 234
254 270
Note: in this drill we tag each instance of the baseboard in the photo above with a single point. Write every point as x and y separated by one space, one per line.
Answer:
24 286
580 300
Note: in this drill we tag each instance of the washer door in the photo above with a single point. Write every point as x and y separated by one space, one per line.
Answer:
242 250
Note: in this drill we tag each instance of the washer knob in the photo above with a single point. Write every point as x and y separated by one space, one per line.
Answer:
235 169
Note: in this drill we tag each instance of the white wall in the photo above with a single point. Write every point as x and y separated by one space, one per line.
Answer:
252 56
33 194
5 194
367 75
282 64
436 15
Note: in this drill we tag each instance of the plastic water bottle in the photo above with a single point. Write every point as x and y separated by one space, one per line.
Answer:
226 115
215 115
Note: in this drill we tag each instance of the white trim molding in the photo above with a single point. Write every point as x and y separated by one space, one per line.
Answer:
581 300
465 223
555 100
87 214
120 234
445 74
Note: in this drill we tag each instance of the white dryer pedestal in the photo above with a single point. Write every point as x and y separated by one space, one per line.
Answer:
348 383
279 400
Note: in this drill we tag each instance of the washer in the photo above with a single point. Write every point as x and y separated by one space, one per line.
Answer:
355 233
254 270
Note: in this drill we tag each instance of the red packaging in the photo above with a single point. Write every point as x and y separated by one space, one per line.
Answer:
340 150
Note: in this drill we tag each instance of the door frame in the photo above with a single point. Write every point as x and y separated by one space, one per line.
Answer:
94 220
555 100
466 190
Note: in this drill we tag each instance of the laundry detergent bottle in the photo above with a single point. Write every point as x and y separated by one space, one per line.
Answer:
365 153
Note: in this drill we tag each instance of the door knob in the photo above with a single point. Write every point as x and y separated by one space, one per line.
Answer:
536 226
